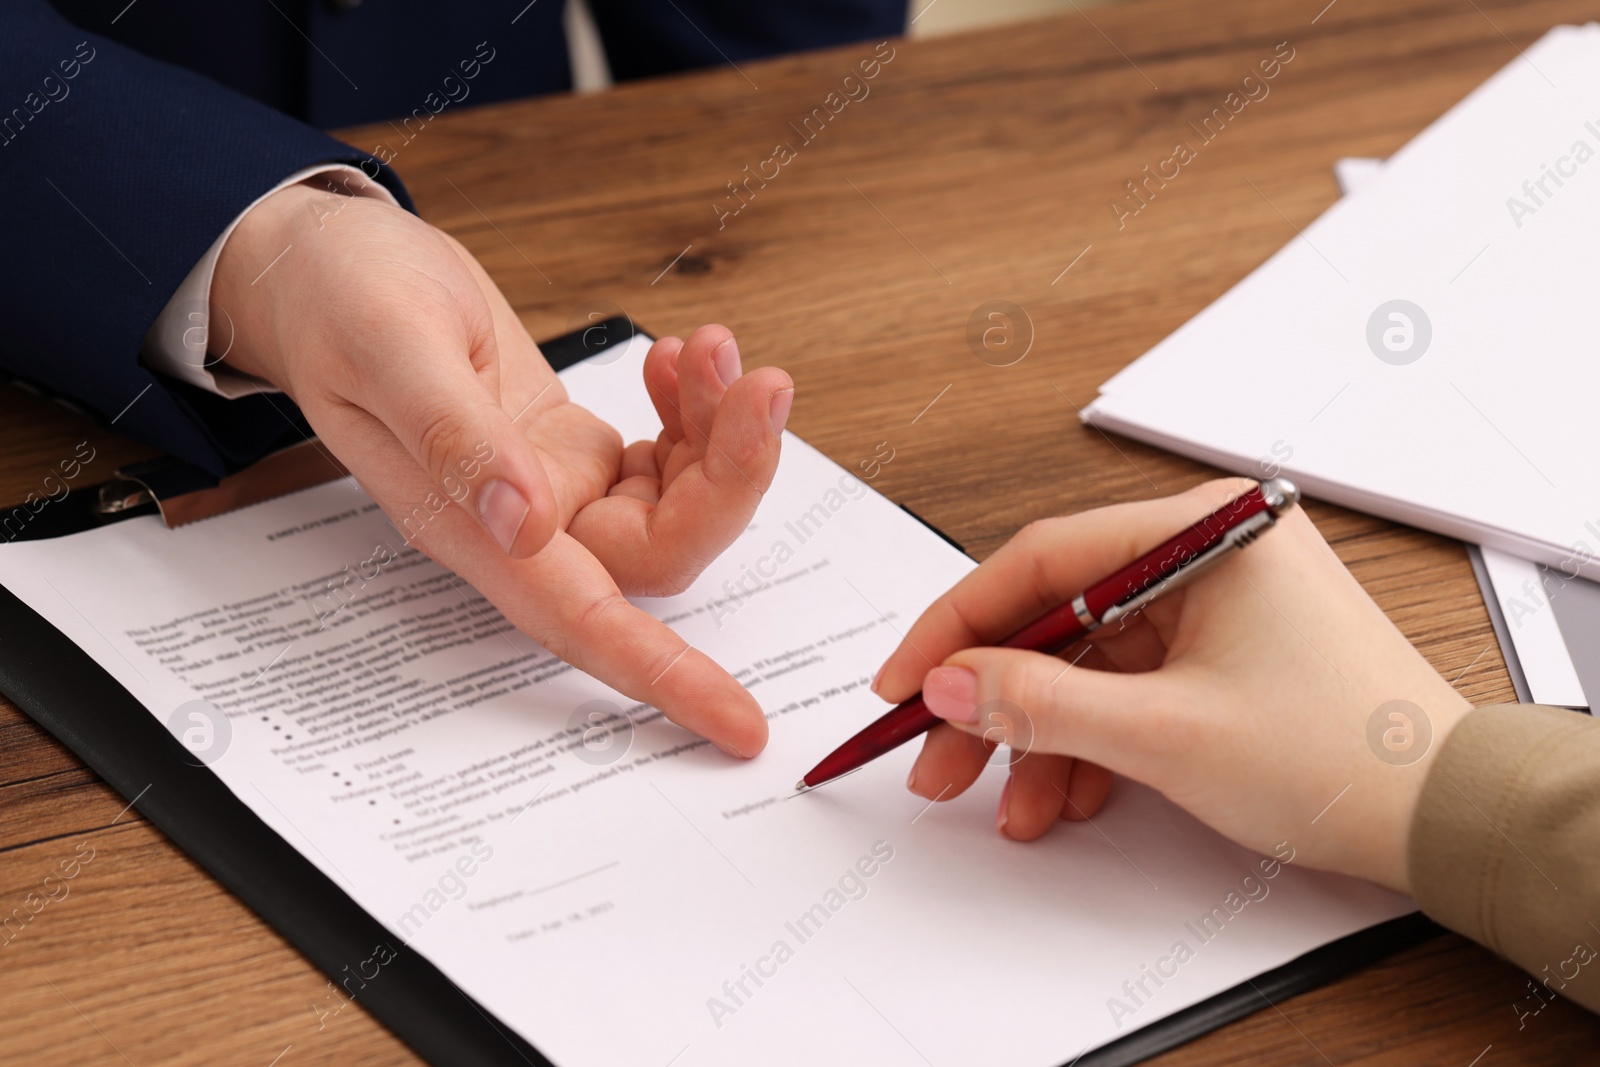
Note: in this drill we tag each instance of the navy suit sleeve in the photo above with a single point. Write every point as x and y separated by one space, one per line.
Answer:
117 172
645 38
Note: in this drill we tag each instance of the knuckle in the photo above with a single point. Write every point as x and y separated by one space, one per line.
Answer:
1016 704
672 584
1022 686
592 624
440 436
733 466
1037 532
1041 537
596 617
659 662
668 582
654 569
1219 491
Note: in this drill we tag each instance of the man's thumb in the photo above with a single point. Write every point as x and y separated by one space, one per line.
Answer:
472 451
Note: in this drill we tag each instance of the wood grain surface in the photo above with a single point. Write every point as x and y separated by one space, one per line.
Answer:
978 169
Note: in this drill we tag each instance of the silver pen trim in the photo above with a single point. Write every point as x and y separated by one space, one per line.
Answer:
1235 538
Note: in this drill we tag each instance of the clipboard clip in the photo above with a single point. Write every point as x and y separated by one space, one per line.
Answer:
183 493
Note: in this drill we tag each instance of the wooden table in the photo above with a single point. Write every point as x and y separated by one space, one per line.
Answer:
980 168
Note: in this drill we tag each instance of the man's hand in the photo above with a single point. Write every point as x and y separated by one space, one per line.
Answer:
416 373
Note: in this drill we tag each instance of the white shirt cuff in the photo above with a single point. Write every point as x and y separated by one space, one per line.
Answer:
182 343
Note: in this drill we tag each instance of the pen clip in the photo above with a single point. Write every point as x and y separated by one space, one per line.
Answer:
1189 569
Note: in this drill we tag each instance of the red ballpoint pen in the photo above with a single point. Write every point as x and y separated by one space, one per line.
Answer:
1116 598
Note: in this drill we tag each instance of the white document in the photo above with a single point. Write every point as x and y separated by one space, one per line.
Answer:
1519 586
630 895
1424 350
1515 584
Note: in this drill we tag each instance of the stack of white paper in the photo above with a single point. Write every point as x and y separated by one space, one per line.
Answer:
1425 350
1537 647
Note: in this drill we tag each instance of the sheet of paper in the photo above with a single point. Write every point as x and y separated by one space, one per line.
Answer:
1516 585
607 884
1526 604
1519 587
1420 351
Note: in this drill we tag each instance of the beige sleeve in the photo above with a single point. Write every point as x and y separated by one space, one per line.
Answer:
1505 843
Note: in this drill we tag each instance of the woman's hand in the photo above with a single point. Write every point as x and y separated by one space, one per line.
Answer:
1244 697
416 373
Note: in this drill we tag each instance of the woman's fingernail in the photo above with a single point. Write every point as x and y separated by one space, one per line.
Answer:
951 693
726 360
730 750
911 779
503 510
877 678
782 401
1005 804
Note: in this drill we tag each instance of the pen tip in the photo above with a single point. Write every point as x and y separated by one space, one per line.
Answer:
800 786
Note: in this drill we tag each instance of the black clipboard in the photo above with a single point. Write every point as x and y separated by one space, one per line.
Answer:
66 692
